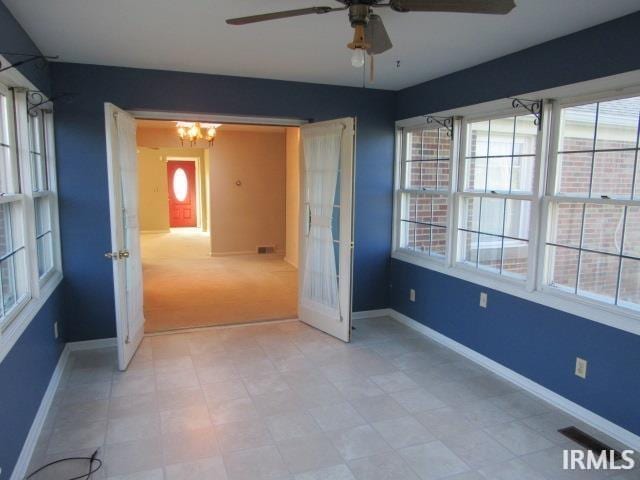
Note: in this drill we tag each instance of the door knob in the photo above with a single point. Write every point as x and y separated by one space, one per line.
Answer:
117 255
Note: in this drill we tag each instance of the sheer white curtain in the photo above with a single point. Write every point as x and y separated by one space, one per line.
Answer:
321 163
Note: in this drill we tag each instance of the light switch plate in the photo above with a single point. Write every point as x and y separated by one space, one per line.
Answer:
412 295
581 367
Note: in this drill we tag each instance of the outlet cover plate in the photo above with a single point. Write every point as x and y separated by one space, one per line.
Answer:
412 295
483 299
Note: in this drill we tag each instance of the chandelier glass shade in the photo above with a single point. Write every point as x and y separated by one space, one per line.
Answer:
194 131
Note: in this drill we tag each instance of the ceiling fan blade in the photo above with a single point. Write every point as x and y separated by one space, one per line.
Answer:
277 15
495 7
376 35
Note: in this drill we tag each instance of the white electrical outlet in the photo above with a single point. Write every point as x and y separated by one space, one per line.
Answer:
412 295
483 299
55 330
581 367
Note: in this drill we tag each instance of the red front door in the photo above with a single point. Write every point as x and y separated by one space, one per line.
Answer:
182 193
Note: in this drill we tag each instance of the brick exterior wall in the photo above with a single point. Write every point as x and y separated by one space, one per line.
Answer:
603 224
427 169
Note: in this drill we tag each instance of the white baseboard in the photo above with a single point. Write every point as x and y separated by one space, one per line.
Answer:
624 436
383 312
22 465
91 344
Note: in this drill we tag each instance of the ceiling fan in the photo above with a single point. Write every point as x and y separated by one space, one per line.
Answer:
370 35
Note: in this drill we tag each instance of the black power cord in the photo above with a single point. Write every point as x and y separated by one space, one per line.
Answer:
87 476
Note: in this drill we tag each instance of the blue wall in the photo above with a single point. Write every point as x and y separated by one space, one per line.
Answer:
606 49
538 342
24 375
26 370
81 157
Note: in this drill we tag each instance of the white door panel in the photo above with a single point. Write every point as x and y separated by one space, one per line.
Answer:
125 231
326 226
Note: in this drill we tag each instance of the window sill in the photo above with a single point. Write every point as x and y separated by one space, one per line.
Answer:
23 317
611 316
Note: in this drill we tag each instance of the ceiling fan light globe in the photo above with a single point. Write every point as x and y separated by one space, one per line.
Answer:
357 58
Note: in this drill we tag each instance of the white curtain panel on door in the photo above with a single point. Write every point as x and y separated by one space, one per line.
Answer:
129 182
321 148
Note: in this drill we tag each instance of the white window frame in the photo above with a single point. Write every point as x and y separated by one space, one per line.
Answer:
550 197
51 193
534 288
38 289
415 256
534 198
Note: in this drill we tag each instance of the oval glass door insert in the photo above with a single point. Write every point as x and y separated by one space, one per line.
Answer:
180 185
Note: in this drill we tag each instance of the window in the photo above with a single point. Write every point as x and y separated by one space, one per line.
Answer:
29 257
497 193
13 271
425 191
544 207
43 196
593 240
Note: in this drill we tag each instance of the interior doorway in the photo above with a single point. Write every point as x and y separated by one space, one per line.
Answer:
218 225
325 156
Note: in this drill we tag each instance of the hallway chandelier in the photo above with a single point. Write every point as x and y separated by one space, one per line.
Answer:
194 131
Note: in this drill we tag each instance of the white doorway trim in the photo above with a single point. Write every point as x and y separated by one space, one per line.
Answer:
217 118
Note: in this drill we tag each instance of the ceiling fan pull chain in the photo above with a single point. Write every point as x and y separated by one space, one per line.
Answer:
371 69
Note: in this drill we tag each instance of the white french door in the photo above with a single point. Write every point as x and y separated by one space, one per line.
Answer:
326 226
125 231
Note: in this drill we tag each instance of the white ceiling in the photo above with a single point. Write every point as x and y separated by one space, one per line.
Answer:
191 35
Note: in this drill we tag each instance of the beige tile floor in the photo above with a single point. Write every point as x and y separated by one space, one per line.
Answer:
284 401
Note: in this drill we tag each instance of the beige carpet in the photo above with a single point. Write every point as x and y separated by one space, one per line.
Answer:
184 287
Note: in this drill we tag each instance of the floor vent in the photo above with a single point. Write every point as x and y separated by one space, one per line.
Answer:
588 442
267 249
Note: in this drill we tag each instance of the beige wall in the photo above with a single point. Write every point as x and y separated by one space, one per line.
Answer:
292 194
252 214
153 186
152 182
165 137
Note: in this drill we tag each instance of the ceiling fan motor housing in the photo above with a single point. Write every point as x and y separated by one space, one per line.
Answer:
359 14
